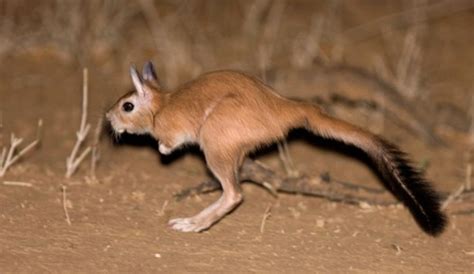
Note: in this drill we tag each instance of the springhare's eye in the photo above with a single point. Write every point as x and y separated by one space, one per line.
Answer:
127 106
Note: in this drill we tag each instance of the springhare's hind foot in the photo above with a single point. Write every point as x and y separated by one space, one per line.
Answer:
191 224
206 218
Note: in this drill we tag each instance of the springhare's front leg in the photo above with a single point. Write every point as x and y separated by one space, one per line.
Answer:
172 142
226 172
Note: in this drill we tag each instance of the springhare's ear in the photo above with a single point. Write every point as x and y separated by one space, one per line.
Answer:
149 74
137 81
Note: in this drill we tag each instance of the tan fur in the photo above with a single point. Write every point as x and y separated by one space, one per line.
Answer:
227 114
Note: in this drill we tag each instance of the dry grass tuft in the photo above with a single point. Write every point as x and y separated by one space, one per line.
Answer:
74 30
306 47
171 44
405 74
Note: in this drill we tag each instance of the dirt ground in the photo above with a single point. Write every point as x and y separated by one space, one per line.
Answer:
119 221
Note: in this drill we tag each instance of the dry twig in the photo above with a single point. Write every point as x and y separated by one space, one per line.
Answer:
266 215
453 196
161 212
307 46
10 156
12 183
286 159
95 155
66 213
405 76
73 161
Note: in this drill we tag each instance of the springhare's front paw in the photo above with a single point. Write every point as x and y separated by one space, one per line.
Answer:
188 225
165 150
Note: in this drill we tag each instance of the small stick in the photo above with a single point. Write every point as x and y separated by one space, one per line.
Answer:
270 189
72 162
266 215
286 160
290 163
2 157
11 183
95 147
14 142
397 248
453 196
161 212
68 220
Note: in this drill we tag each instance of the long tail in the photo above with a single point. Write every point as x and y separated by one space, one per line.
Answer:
406 182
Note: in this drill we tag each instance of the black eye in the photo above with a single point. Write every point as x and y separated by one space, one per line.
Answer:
127 106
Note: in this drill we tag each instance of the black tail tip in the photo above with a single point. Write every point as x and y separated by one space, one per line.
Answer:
436 225
409 185
429 216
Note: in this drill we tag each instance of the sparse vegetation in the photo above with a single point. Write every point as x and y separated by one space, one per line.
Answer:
297 47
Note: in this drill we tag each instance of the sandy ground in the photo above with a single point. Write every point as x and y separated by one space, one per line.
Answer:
119 222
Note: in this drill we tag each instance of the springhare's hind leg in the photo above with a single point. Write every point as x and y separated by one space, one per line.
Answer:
225 169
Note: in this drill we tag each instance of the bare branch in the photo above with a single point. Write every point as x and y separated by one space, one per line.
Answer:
322 186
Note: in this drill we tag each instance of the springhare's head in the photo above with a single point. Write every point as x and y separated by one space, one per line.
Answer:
134 112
